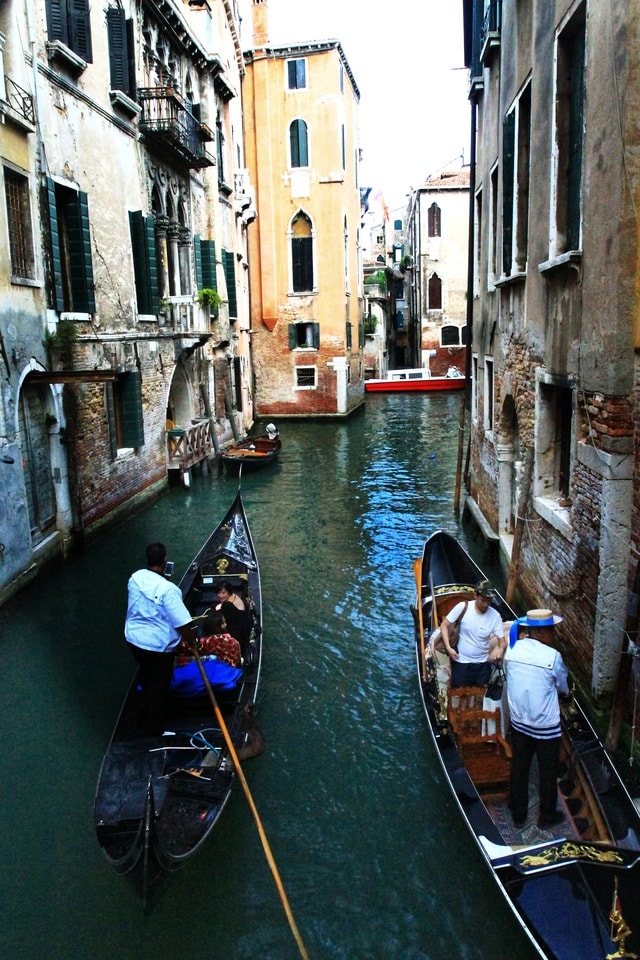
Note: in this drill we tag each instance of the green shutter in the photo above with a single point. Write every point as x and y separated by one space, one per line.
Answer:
293 336
130 400
118 49
508 168
348 335
315 332
57 20
197 260
228 263
80 28
574 172
145 262
80 261
110 405
208 253
57 291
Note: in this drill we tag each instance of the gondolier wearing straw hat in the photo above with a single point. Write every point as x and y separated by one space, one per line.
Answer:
536 674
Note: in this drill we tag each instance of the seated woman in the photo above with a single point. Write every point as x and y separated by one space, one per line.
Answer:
219 654
233 609
215 641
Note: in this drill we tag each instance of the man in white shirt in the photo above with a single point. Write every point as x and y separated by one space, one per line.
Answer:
157 619
471 663
536 674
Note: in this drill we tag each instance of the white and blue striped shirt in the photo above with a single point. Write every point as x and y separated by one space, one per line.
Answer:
536 673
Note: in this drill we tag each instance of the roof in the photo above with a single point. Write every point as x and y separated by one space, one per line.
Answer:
302 49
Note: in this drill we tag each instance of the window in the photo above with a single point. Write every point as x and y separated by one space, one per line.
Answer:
204 252
299 150
121 47
474 388
71 287
554 439
434 286
488 393
16 188
301 254
296 74
348 335
68 21
306 378
477 241
569 133
494 256
450 335
220 149
515 184
434 216
123 400
304 334
145 262
343 147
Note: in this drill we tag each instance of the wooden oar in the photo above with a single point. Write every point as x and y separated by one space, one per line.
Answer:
434 605
245 786
417 570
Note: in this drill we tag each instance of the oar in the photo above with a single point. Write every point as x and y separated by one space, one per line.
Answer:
434 606
252 806
417 569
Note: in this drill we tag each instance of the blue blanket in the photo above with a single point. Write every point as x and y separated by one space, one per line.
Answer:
187 680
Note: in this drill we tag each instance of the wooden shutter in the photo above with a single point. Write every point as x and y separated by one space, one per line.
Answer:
145 262
57 20
228 263
197 260
80 29
208 253
118 49
293 336
315 334
302 263
57 291
576 108
508 167
80 261
130 409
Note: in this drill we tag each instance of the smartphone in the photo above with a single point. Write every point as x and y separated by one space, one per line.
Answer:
168 568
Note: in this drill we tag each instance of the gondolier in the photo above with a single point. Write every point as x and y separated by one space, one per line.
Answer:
157 619
536 673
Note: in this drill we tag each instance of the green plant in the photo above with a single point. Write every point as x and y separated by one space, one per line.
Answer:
61 340
208 297
370 324
378 277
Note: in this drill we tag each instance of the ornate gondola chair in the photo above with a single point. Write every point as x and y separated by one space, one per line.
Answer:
483 750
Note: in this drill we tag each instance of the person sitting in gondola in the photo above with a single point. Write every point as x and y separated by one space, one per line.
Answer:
215 641
480 624
233 609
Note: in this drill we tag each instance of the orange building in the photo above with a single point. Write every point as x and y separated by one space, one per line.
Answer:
300 110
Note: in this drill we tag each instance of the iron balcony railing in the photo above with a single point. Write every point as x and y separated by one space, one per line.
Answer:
168 123
19 100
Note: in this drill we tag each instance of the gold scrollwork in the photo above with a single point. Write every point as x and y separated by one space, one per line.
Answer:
569 851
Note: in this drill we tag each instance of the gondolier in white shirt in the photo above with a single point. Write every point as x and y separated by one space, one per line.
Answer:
536 675
472 662
157 619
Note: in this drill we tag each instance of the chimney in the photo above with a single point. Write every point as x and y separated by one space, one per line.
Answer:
259 15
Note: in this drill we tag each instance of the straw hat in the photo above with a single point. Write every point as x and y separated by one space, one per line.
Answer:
533 618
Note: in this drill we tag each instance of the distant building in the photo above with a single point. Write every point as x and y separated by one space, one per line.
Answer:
301 105
438 241
123 267
554 452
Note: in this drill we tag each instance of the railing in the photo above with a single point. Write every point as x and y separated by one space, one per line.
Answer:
189 445
19 100
169 124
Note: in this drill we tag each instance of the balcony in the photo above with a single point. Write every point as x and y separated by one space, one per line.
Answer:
171 129
490 35
18 105
187 446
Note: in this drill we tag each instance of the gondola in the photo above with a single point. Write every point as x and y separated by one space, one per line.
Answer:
252 453
158 798
573 888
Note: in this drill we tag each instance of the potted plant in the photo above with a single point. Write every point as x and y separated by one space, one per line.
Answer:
208 297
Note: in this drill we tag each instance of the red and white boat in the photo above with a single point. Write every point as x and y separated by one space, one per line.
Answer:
418 379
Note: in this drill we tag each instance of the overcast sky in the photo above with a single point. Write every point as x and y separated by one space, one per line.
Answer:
408 63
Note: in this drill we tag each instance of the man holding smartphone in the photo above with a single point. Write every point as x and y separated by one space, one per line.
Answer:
157 619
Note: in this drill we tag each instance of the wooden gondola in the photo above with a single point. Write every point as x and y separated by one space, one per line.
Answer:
252 453
158 798
573 888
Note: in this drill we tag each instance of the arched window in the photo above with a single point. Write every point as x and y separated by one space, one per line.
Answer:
435 292
298 144
450 335
434 218
301 253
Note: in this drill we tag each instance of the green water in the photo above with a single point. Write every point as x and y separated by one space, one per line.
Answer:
367 841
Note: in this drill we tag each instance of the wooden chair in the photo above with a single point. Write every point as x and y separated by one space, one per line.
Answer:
486 755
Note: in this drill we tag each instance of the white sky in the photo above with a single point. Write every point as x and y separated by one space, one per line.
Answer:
408 63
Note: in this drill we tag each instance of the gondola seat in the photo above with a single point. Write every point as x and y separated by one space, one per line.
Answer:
487 756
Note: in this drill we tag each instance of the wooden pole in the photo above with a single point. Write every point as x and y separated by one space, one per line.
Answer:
245 786
456 500
417 571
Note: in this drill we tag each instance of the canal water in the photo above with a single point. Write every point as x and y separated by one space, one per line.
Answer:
367 841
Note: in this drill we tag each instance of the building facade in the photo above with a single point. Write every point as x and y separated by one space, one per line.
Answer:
554 455
438 236
123 259
300 105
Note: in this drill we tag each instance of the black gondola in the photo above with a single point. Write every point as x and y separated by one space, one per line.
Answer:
573 888
158 798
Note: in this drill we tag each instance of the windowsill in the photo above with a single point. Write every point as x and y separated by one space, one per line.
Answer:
57 50
555 515
147 318
120 101
306 349
77 317
302 293
519 276
573 258
25 282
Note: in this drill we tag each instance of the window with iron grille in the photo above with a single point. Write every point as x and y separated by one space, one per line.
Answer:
306 378
19 223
